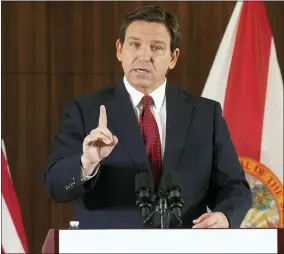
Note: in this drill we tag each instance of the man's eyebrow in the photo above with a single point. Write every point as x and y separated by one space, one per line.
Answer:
133 38
159 42
138 39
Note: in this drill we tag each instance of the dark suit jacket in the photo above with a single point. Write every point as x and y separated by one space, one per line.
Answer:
198 146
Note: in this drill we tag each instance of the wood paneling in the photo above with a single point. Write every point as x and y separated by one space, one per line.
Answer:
55 51
25 37
82 37
275 13
26 127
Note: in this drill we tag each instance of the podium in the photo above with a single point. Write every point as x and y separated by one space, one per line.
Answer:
165 241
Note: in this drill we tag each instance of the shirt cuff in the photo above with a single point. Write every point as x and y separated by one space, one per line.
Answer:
85 178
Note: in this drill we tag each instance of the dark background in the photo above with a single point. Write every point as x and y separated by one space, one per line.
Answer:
53 51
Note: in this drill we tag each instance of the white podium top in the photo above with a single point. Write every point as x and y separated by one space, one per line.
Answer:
169 241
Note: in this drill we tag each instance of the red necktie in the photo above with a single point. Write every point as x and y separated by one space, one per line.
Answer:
150 133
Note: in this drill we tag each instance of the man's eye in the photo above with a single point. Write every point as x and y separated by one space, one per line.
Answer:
134 44
156 48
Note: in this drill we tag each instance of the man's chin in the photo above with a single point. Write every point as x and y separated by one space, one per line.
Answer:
141 82
142 85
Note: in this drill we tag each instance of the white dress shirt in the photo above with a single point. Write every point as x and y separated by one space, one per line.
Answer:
158 110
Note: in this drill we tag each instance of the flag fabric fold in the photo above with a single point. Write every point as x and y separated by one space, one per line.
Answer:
13 233
246 79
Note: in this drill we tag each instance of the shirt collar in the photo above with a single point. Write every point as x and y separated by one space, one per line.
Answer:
136 96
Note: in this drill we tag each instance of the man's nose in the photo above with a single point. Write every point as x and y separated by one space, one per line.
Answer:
145 54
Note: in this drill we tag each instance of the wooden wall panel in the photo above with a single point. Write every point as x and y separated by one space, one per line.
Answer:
25 37
55 51
81 37
25 130
275 13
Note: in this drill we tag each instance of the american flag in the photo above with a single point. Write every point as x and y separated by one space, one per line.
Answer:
13 233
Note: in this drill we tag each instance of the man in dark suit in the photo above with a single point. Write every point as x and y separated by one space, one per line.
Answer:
144 124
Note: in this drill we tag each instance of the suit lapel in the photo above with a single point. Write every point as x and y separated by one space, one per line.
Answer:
179 115
121 114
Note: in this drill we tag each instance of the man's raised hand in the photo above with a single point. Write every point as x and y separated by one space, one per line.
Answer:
98 144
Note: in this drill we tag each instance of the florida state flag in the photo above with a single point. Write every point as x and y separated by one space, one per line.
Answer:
246 79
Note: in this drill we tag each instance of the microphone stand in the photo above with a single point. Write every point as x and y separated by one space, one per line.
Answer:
165 213
161 210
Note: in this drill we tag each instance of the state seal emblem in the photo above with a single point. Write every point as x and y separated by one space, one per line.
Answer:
267 192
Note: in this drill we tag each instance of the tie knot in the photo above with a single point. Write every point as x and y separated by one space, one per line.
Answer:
147 101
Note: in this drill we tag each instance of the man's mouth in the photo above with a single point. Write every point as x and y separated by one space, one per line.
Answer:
141 70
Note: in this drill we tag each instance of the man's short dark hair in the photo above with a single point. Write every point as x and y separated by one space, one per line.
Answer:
153 13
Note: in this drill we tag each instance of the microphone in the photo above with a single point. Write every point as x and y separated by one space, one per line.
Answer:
171 187
144 188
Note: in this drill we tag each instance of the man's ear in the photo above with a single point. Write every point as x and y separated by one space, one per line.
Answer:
174 58
118 50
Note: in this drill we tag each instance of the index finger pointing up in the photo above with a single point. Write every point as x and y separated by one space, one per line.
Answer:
103 117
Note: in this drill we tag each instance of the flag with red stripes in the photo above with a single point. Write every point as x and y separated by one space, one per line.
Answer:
245 78
13 233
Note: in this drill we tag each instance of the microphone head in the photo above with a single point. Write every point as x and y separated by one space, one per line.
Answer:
143 181
171 181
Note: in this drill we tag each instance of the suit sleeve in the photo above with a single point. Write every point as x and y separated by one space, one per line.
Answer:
63 175
229 190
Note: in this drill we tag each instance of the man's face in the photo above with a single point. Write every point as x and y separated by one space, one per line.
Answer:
146 55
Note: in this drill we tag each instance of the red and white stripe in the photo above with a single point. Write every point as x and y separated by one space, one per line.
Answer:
245 78
13 234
